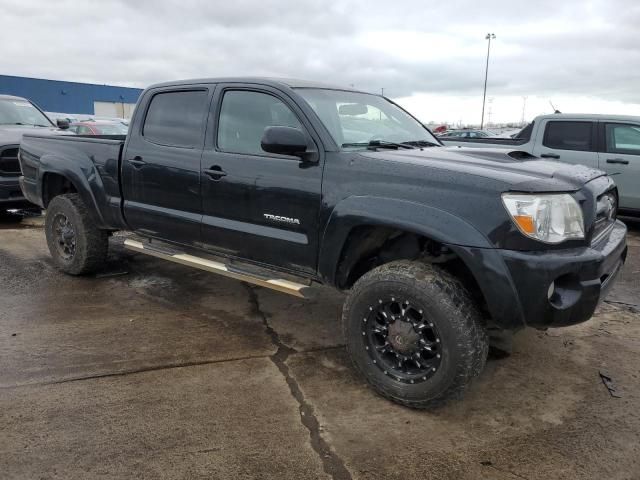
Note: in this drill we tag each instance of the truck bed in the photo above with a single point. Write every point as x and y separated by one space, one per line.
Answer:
77 158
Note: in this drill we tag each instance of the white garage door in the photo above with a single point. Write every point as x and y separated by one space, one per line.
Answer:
113 109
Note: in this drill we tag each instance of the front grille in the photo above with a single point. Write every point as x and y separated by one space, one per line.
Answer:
9 165
606 213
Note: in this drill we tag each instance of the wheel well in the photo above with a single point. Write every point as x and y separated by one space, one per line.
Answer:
53 185
368 247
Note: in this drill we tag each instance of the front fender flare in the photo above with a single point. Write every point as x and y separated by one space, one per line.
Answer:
472 246
413 217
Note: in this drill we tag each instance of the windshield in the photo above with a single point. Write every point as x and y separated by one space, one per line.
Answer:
356 119
21 112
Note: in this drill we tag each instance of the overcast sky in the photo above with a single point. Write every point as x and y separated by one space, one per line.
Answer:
581 55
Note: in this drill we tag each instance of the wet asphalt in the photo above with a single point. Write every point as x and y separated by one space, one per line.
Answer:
154 370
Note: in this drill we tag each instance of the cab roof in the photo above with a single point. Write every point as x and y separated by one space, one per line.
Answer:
589 116
12 97
270 81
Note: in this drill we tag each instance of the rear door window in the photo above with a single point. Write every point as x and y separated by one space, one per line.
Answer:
564 135
623 138
176 118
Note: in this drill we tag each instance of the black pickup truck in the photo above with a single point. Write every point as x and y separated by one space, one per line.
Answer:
287 183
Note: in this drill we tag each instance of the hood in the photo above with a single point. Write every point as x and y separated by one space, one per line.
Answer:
523 172
12 134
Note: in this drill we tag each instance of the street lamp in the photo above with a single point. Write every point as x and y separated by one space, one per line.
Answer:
490 36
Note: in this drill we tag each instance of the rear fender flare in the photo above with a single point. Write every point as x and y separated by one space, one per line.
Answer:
84 177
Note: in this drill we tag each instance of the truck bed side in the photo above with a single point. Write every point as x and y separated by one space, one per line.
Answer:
509 143
89 166
524 141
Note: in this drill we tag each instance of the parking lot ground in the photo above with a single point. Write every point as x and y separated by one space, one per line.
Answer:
155 370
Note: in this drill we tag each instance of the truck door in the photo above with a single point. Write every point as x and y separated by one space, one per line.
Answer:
256 205
567 140
620 157
161 165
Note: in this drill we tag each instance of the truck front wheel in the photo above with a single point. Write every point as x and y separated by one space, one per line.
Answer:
76 244
414 333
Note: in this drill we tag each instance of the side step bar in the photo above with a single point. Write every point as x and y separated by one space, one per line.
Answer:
279 284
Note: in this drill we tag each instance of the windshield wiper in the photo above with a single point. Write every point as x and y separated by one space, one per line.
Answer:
421 143
373 144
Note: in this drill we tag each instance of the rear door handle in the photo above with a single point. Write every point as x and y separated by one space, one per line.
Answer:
621 161
137 161
215 172
550 155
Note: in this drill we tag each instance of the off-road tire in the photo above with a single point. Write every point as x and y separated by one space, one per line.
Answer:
91 243
446 303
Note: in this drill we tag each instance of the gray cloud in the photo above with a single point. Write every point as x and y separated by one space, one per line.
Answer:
543 48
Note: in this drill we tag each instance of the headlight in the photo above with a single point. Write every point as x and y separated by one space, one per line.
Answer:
550 218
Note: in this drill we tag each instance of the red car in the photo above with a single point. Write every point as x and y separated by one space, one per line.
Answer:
92 127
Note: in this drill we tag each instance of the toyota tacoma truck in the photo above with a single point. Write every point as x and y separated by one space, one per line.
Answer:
17 117
288 184
607 142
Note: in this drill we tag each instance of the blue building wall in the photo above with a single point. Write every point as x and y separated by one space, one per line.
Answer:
66 97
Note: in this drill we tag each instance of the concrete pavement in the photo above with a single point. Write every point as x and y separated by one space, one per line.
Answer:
154 370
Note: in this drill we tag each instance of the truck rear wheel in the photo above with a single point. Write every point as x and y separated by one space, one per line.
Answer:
76 244
414 333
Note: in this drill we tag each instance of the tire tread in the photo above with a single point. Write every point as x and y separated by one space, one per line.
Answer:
92 255
468 325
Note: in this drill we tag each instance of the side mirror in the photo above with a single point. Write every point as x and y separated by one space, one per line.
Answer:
62 123
284 141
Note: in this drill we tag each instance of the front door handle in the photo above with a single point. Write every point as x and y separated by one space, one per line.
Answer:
550 155
137 161
215 172
620 161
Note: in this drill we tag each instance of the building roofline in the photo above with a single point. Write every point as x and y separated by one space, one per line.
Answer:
70 82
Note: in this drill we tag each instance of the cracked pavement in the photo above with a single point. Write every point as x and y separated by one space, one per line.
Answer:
155 370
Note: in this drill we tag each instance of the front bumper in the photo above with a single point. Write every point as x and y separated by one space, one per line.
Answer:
581 278
515 284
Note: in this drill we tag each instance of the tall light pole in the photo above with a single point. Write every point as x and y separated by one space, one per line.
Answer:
490 36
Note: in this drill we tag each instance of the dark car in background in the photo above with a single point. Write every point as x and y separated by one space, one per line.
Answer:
97 127
467 134
17 117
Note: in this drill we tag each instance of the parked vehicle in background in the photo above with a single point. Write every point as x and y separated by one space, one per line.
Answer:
17 117
79 117
285 183
95 127
510 133
608 142
467 134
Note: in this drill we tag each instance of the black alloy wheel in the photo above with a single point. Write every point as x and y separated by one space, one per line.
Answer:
65 236
401 340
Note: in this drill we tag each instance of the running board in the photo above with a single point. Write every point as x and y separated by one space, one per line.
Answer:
279 284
